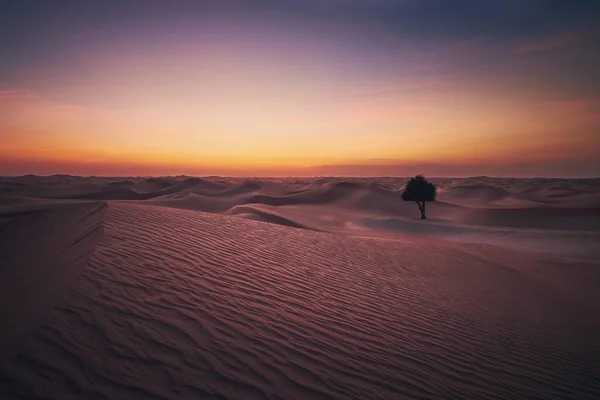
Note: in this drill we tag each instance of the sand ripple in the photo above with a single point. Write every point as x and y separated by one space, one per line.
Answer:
176 304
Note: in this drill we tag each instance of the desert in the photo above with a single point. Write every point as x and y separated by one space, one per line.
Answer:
184 287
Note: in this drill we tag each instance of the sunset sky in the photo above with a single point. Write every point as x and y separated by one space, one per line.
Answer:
306 87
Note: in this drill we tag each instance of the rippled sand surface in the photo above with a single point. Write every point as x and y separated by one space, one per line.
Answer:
289 290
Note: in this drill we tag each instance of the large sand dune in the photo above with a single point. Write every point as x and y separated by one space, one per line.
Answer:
187 288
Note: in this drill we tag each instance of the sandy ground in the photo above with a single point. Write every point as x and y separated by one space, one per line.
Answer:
188 288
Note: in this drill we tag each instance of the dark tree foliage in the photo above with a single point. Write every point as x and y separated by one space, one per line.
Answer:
419 190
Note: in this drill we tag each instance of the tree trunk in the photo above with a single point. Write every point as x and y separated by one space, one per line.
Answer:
421 205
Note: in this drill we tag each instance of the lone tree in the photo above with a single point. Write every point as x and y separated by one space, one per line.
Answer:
419 190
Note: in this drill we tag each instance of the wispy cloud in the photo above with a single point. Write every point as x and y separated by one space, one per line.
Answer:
581 107
548 43
17 100
420 85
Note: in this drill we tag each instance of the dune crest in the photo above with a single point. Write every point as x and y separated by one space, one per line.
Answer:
59 239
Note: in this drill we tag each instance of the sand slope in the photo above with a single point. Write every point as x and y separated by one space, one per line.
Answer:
178 304
43 247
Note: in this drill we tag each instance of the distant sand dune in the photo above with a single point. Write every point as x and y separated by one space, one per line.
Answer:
112 194
198 202
243 188
258 214
539 204
481 195
152 185
483 192
189 184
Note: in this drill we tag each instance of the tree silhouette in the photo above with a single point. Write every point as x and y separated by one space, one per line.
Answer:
419 190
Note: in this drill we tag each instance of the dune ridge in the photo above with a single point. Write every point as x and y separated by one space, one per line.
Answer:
260 214
60 238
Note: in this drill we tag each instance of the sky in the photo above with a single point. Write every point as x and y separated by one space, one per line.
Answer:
300 87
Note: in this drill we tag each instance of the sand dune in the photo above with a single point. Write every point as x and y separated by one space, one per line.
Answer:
482 192
153 185
190 184
42 250
479 201
243 188
572 244
186 288
260 214
564 218
192 201
231 308
112 194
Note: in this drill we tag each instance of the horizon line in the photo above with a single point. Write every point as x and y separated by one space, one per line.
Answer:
296 176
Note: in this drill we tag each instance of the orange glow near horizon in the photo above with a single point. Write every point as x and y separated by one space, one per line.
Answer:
434 129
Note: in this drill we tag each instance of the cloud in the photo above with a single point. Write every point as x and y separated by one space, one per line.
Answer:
29 103
581 108
576 104
548 43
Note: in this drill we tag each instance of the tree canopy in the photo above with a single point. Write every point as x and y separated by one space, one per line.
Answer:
419 189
